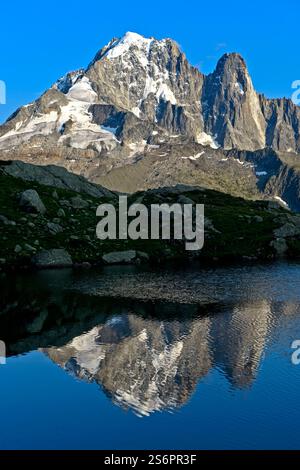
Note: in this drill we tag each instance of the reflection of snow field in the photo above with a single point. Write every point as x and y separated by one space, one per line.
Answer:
2 92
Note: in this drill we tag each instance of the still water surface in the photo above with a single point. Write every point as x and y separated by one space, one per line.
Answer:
123 358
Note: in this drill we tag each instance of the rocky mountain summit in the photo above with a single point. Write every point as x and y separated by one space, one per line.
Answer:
140 98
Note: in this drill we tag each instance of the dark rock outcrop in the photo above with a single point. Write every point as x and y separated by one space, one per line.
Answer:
30 201
56 258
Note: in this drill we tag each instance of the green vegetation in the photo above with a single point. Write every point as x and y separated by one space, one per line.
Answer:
236 229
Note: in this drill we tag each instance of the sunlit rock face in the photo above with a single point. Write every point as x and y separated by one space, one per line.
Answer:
139 94
231 106
134 89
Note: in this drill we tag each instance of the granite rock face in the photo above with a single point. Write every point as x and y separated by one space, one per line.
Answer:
151 79
283 124
231 106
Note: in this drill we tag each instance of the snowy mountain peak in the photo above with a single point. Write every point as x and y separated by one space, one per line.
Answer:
135 45
128 41
146 77
136 86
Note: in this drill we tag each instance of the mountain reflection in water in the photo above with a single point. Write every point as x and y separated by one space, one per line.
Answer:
149 365
149 354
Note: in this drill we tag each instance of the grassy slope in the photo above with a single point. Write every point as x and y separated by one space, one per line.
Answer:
240 234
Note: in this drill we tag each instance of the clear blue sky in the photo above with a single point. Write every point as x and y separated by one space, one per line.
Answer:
42 41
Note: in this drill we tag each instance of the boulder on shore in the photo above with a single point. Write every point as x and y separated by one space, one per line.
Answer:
287 230
30 201
56 258
280 246
124 257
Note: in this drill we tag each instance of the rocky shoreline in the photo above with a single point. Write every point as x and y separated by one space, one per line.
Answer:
48 219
